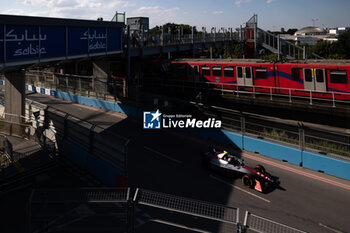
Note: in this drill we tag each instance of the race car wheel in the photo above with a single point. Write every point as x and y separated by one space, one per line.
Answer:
260 168
248 181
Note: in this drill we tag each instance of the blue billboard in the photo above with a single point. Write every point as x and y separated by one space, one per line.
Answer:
25 43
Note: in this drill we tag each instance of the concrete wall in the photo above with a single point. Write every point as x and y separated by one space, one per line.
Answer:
331 166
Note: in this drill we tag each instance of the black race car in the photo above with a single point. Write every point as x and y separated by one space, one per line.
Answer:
256 178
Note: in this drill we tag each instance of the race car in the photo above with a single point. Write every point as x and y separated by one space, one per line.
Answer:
255 178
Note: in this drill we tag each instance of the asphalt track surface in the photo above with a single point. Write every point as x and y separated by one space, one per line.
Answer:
169 161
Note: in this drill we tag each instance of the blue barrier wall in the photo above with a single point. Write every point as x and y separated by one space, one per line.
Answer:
221 136
112 106
273 150
328 165
90 163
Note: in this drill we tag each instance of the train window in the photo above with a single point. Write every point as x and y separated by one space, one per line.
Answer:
308 75
338 76
248 72
217 71
206 70
319 76
239 72
295 74
261 73
229 71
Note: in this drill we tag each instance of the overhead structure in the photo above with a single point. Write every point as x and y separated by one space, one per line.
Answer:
28 40
254 36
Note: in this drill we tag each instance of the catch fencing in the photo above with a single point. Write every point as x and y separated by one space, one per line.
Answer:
88 86
90 137
257 224
116 210
325 141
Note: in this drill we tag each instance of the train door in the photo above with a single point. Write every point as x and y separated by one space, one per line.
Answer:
244 76
196 73
314 80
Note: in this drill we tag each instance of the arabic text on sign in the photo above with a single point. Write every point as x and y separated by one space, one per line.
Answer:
93 36
24 37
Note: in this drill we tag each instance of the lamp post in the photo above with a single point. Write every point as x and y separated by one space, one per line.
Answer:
204 30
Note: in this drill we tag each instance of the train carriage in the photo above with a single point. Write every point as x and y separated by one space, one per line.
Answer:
320 78
230 74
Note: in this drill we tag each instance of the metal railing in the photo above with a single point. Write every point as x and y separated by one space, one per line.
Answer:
302 136
88 86
311 97
254 223
83 209
12 130
95 139
169 40
284 47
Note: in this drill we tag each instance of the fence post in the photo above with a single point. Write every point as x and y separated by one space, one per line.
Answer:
242 129
333 99
301 143
301 137
270 93
290 95
310 97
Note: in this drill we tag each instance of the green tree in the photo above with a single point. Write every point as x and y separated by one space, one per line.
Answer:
291 31
343 45
174 29
325 49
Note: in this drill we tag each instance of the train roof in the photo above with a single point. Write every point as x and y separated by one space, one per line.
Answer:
319 61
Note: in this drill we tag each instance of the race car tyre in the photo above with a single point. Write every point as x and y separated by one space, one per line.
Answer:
248 181
260 168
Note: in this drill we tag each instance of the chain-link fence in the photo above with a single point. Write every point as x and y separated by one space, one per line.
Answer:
210 217
116 210
89 86
254 223
101 142
321 140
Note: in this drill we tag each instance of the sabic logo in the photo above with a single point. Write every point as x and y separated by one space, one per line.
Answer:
152 120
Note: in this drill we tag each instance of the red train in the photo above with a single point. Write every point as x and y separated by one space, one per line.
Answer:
319 78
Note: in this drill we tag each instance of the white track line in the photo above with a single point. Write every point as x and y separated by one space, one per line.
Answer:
329 228
239 188
163 155
297 171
